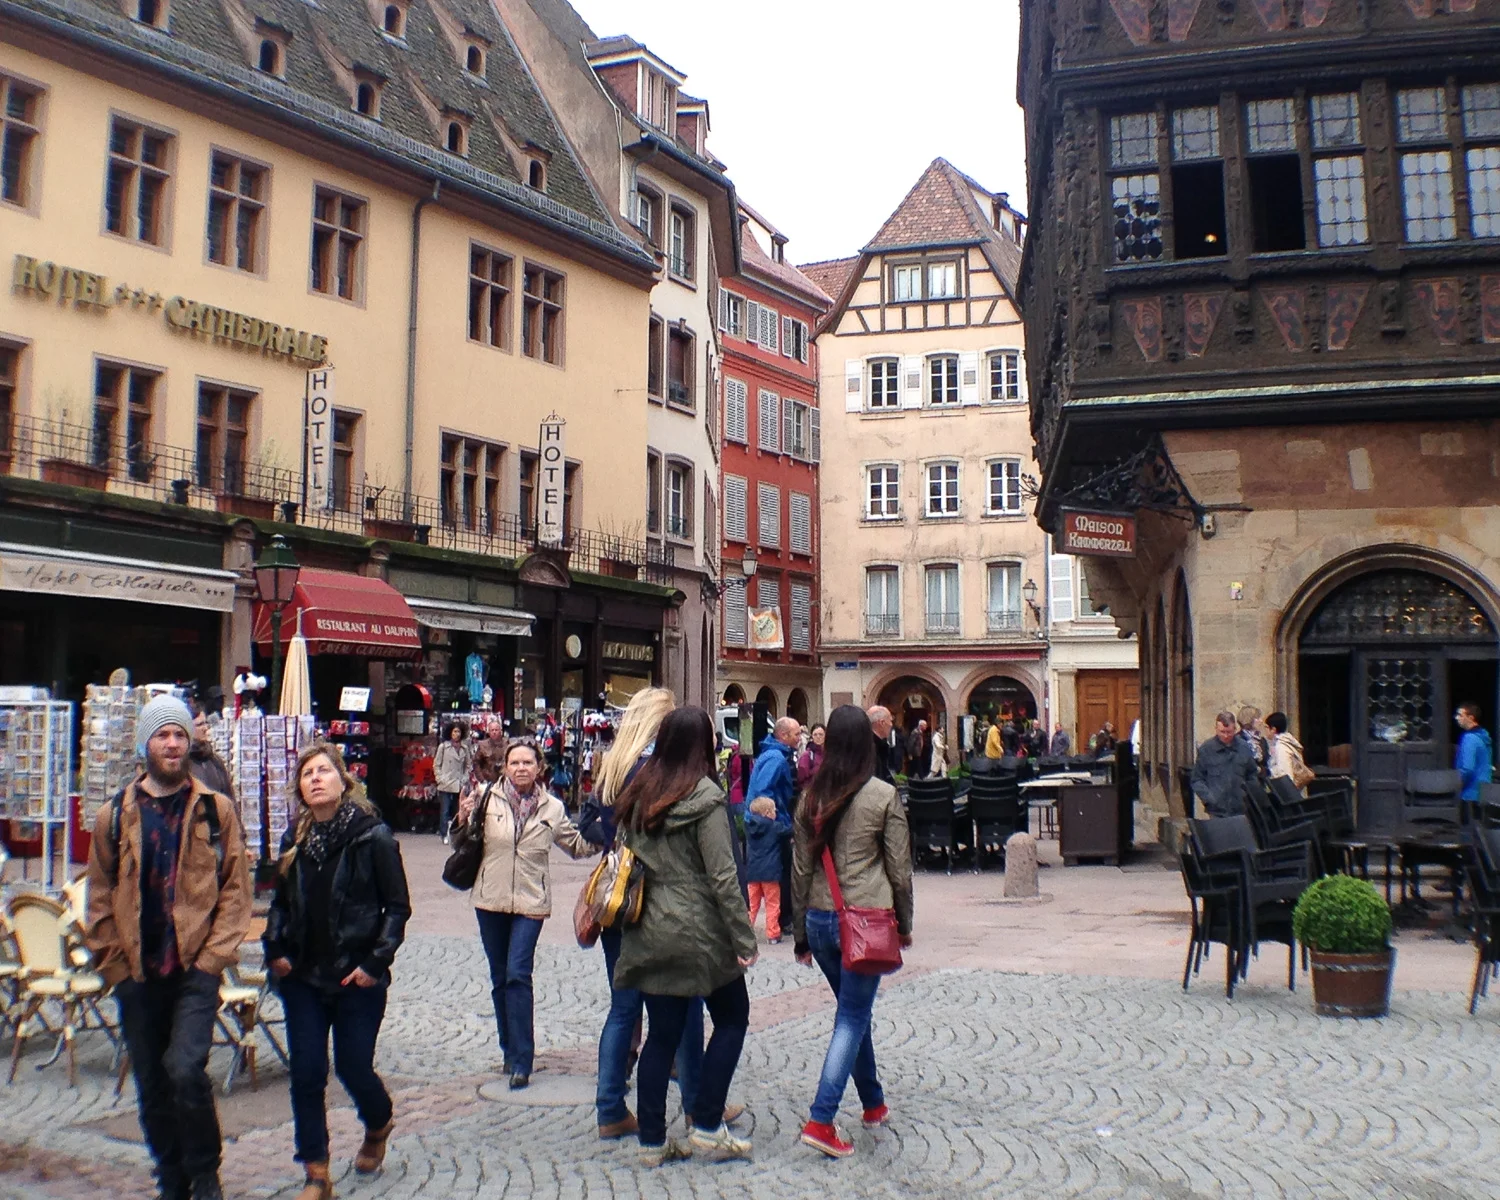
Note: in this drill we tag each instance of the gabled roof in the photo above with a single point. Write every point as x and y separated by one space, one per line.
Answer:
782 274
831 274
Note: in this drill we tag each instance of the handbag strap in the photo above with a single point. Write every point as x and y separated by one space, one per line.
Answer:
833 879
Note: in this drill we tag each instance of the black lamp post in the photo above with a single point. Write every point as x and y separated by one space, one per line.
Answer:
276 572
1029 592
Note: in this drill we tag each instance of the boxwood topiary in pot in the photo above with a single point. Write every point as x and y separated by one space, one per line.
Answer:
1347 927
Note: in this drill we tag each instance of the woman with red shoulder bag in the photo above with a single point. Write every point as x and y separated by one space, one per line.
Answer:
852 910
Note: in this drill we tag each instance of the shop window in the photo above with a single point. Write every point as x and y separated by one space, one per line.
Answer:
137 182
883 601
223 435
681 359
20 134
469 478
346 432
124 409
656 333
489 297
236 212
338 244
542 314
682 243
10 394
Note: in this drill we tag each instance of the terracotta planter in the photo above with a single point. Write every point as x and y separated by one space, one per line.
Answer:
390 531
246 506
74 474
1352 985
619 568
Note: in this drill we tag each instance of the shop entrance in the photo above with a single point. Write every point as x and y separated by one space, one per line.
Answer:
911 699
1382 663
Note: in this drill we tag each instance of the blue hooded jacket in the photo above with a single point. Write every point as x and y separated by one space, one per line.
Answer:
1475 761
773 776
764 837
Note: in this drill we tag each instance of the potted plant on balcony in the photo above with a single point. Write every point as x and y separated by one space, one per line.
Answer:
247 490
65 453
620 550
1346 925
389 529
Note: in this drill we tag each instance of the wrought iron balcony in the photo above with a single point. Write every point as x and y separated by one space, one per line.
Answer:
1004 621
942 622
883 624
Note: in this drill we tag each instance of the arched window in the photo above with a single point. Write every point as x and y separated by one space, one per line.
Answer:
270 57
537 175
366 100
456 137
474 61
395 20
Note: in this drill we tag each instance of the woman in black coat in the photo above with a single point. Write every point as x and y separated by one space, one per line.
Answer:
336 921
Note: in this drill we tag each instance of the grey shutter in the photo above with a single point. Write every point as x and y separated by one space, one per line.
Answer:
800 633
854 374
1062 587
723 310
800 535
735 623
786 337
736 509
752 321
802 345
736 419
768 504
788 427
770 422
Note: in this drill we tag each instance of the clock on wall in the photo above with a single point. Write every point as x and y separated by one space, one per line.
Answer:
573 646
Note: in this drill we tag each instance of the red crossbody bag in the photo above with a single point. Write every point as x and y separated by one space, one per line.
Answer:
868 938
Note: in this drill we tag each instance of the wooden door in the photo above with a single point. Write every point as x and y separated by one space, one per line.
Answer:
1113 696
1397 727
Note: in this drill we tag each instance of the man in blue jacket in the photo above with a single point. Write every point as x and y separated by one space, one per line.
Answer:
775 775
1475 757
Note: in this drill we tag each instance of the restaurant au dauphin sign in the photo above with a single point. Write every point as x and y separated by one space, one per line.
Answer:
86 289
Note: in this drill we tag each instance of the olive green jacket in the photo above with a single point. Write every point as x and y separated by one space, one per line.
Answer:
694 927
871 853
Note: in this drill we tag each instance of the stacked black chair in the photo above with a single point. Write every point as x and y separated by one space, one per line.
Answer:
1484 886
1283 816
1431 795
929 812
1488 813
997 810
1213 889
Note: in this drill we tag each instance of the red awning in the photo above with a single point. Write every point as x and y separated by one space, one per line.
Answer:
344 614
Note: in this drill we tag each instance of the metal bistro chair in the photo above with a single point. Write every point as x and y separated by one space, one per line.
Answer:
1431 795
997 810
1488 809
1484 884
929 812
1217 907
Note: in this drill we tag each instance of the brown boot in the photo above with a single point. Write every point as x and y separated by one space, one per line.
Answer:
318 1185
372 1150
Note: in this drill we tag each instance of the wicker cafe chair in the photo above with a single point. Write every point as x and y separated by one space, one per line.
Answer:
243 993
50 975
10 974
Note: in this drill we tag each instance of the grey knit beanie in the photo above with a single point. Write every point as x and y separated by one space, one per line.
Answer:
158 713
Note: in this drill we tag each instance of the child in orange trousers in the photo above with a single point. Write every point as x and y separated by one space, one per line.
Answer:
764 835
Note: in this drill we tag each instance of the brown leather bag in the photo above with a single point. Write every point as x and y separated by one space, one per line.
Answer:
869 941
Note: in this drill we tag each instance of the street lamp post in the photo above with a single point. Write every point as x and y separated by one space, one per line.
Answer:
1029 591
276 573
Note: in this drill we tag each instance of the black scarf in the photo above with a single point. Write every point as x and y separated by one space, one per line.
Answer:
324 838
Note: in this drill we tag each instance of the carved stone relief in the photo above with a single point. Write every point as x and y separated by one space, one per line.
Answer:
1345 302
1200 313
1287 307
1142 316
1392 318
1439 301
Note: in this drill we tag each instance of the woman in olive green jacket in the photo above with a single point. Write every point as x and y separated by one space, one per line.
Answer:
693 938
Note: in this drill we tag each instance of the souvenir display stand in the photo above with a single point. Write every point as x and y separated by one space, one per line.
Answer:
261 750
36 777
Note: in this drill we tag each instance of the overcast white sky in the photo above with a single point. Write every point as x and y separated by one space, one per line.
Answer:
826 111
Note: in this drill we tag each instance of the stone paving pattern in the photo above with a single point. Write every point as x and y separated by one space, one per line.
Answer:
1028 1051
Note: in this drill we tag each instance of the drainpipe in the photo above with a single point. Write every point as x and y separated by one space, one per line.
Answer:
411 344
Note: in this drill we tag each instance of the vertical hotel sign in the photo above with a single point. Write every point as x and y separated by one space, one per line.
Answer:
318 440
551 487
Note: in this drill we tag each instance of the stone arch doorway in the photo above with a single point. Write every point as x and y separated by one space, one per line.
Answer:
796 705
910 699
1002 698
734 694
1382 656
766 698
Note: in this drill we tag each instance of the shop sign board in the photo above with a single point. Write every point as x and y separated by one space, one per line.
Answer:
354 699
550 492
765 628
629 652
1102 534
317 438
113 579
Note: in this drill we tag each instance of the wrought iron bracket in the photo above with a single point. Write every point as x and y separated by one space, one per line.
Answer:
1146 480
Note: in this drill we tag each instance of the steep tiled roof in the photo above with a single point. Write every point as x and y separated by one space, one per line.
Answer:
832 274
940 210
758 262
202 43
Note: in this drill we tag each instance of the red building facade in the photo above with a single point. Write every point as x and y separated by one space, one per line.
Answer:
772 441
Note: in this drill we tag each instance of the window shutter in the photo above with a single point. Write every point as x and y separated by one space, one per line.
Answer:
736 419
815 422
801 629
788 427
770 327
768 504
752 322
1062 587
913 381
770 422
968 378
723 310
802 345
735 624
854 385
736 504
786 337
800 535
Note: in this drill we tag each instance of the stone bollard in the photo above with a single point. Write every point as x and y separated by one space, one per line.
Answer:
1020 867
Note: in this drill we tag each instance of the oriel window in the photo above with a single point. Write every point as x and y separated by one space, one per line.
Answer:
1135 188
1428 204
1200 230
1339 169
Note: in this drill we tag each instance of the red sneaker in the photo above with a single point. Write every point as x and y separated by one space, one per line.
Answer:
876 1117
826 1138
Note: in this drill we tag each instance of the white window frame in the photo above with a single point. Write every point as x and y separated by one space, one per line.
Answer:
947 502
1009 617
950 394
731 313
678 515
1008 510
886 476
948 270
887 385
887 621
948 620
1009 361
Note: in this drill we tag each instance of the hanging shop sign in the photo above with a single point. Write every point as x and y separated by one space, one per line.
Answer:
765 628
551 488
62 573
88 290
1103 534
317 439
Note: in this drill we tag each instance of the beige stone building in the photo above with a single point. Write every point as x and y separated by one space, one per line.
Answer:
934 573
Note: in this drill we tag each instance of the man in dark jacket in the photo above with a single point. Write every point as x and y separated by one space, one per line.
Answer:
1225 770
1062 744
880 723
774 775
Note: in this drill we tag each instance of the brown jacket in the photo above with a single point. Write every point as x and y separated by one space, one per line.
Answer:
211 911
872 854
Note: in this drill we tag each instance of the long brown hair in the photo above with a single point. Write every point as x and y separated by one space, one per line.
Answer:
683 757
353 790
848 764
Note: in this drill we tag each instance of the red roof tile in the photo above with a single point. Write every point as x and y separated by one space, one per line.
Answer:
832 274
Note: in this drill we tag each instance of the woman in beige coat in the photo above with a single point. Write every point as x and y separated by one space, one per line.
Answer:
513 892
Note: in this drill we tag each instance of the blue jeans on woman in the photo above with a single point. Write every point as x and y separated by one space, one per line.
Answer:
353 1015
447 806
625 1006
730 1009
510 945
851 1049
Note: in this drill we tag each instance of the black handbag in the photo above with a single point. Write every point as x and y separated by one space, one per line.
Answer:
462 867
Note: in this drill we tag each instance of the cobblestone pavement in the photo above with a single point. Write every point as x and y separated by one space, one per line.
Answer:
1002 1084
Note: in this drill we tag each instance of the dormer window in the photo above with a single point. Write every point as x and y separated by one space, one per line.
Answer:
659 100
148 12
456 137
536 175
393 20
269 58
474 60
367 100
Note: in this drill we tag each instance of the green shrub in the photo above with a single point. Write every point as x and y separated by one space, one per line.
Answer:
1342 915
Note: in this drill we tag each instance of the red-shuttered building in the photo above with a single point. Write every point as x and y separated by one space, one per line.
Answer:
772 436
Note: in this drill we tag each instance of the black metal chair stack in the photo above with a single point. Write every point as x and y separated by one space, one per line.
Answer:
1214 899
1282 816
1431 795
1484 886
929 812
1432 803
997 810
1488 812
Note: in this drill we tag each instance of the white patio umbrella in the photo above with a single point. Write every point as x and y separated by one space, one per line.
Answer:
296 682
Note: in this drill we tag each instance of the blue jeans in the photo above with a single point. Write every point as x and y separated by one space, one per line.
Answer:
447 806
510 945
625 1007
730 1009
353 1015
851 1049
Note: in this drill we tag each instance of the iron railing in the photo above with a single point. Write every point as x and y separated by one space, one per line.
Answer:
942 622
1004 621
883 624
99 456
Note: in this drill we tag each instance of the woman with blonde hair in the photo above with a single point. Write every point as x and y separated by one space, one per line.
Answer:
336 920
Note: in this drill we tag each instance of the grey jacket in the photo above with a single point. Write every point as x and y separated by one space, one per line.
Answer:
871 853
1222 774
694 927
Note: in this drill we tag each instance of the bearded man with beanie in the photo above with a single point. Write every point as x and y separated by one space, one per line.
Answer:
169 904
